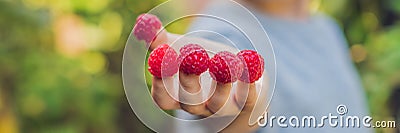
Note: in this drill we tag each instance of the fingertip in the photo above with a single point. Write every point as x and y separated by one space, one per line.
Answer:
223 88
245 95
189 82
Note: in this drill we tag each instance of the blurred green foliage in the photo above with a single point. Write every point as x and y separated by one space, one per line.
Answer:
60 61
60 64
372 28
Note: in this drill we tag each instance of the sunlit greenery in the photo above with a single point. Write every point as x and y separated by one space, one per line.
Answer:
372 28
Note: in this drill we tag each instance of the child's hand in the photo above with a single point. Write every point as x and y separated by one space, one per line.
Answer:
241 102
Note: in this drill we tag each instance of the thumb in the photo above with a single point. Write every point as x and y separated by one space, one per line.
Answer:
160 38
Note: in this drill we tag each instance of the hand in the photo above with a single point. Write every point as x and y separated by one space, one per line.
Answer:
241 102
221 101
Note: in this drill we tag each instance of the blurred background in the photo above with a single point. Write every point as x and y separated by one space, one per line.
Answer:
60 60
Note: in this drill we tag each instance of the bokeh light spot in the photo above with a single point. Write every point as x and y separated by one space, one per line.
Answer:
69 35
112 23
93 62
358 53
369 20
33 105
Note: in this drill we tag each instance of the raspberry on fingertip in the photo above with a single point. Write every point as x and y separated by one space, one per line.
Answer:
253 66
146 27
163 61
225 67
193 59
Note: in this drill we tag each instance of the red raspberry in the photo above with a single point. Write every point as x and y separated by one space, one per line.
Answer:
146 27
225 67
193 59
163 61
253 66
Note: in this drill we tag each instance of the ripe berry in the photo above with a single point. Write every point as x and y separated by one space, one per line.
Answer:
163 61
225 67
193 59
146 27
253 66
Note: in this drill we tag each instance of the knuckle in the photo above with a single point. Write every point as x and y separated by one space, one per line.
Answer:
157 85
186 86
191 88
189 83
165 106
249 105
193 109
215 105
159 101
